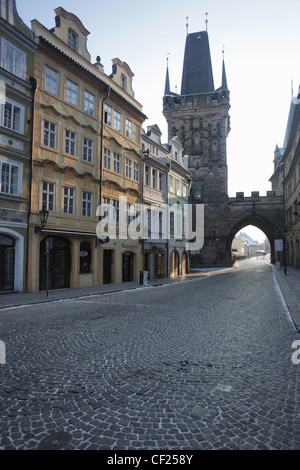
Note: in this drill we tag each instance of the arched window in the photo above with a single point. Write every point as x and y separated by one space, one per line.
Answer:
85 257
72 39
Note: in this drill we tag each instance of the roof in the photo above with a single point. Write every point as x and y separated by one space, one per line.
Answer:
197 75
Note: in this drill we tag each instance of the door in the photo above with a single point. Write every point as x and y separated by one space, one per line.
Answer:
7 263
107 258
127 266
59 264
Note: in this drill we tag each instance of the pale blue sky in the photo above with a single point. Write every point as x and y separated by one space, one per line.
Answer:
261 40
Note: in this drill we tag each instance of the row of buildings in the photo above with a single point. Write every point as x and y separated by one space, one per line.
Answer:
286 181
71 141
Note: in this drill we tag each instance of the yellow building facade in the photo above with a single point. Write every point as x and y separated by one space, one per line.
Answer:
71 149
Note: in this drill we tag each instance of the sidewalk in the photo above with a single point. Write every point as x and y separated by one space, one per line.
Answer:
15 299
289 284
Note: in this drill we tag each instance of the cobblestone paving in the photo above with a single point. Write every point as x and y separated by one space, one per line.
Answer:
202 364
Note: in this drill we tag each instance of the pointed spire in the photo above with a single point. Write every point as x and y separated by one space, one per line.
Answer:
197 75
206 21
187 25
167 83
224 79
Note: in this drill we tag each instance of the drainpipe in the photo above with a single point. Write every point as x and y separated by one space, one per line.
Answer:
33 90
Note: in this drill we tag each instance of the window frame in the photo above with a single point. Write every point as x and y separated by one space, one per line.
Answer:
136 171
48 193
71 92
50 132
128 168
67 198
107 114
87 204
107 159
51 80
72 39
128 128
18 185
89 103
14 105
13 68
70 141
87 149
117 121
117 163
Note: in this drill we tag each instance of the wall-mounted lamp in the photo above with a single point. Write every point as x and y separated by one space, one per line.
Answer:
43 219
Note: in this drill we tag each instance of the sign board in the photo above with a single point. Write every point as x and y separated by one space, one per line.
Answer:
278 245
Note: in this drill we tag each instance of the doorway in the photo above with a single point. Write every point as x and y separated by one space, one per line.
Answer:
107 261
7 263
59 264
127 266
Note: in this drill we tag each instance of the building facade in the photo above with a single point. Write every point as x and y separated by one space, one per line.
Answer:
17 89
155 203
286 180
73 141
179 183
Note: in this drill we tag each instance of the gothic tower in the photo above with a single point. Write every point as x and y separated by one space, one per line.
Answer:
199 117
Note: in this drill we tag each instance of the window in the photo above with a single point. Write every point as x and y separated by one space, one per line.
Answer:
87 204
116 213
85 257
178 187
72 39
147 176
136 172
69 200
128 129
171 184
13 59
70 142
117 121
48 196
154 178
128 168
161 182
117 163
12 116
71 92
51 80
87 151
89 103
107 159
149 222
49 136
123 82
107 114
11 178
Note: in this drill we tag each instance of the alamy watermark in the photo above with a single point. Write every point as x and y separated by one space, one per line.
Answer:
2 352
296 354
120 220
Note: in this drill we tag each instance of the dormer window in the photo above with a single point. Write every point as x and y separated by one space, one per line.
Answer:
72 39
123 82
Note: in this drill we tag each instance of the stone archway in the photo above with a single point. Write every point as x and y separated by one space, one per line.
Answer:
266 226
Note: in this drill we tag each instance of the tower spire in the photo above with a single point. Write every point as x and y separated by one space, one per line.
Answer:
187 25
206 21
167 82
224 78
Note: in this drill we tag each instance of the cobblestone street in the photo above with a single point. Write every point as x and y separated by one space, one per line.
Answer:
200 364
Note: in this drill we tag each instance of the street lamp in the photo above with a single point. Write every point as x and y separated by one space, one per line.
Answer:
43 219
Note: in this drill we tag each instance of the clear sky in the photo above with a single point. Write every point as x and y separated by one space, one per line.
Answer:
261 41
